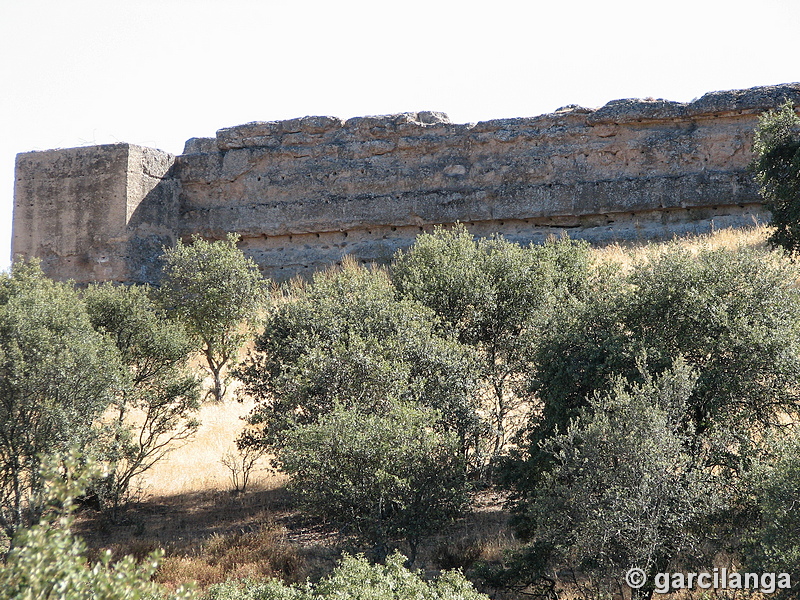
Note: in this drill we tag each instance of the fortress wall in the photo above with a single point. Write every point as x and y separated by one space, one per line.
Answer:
84 211
152 212
305 192
70 210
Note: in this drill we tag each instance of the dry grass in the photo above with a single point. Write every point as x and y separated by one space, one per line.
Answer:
264 553
195 465
625 255
483 535
211 535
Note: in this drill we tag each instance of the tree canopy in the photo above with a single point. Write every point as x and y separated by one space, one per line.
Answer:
57 376
344 338
497 297
216 292
777 169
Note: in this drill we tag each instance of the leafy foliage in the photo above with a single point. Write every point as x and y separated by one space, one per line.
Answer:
387 476
623 489
345 339
57 375
497 297
777 170
157 401
771 544
213 289
733 316
48 563
356 579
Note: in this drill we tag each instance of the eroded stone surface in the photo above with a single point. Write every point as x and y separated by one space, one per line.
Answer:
304 192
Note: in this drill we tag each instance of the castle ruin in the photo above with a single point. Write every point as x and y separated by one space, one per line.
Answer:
303 193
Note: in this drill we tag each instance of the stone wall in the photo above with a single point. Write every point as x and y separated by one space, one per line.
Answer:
97 213
302 193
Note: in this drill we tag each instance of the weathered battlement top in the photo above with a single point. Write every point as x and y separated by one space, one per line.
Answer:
304 192
311 130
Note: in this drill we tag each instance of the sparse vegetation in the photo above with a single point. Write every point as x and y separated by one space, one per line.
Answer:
158 398
216 292
241 464
657 387
777 170
257 555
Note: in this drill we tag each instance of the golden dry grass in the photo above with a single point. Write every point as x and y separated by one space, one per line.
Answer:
625 255
193 473
194 465
263 553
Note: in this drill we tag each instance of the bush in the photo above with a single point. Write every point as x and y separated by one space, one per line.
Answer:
47 562
386 476
623 490
497 297
345 339
771 545
777 170
355 579
733 315
57 376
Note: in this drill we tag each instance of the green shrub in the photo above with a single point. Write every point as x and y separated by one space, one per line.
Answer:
57 376
47 562
356 579
733 315
344 338
496 297
772 545
777 170
623 490
385 476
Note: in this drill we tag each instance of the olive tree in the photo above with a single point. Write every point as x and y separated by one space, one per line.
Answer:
216 292
387 476
57 376
777 169
496 297
344 338
156 403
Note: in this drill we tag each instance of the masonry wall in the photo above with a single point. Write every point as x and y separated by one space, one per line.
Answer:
97 213
302 193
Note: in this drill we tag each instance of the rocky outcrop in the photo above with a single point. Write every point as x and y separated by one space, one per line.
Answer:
304 192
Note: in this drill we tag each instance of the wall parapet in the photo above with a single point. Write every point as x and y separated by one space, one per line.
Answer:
304 192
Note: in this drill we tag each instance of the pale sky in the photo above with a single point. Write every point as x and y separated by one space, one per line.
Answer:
156 73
